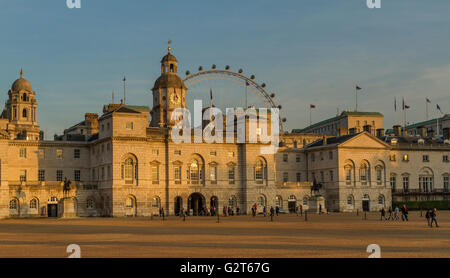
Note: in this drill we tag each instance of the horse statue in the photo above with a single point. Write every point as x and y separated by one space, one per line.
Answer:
316 187
67 184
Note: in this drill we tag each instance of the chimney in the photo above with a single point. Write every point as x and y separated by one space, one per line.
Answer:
352 130
342 131
423 132
380 132
367 128
397 130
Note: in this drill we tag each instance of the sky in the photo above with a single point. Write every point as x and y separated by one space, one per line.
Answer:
306 51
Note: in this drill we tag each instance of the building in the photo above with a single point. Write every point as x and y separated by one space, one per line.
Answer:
124 163
347 123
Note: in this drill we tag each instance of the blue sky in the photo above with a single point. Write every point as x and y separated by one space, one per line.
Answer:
307 51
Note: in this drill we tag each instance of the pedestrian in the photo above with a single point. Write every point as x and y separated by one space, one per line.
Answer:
433 218
264 211
428 217
396 212
405 212
320 208
237 211
277 210
390 214
301 210
383 214
271 211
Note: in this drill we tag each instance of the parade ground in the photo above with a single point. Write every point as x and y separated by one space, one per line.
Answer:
328 235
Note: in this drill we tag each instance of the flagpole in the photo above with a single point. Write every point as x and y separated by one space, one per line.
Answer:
437 123
426 105
246 98
356 94
310 120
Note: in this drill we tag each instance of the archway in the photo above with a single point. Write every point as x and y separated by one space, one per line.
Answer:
178 205
214 202
292 204
366 202
196 203
52 207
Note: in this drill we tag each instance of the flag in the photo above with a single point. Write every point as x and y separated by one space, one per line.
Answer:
210 95
404 105
407 107
358 88
312 106
428 100
395 104
438 107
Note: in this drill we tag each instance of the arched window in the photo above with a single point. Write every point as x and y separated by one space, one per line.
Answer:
24 113
305 201
279 201
156 202
128 170
261 202
90 204
379 171
260 171
366 197
24 97
194 172
350 201
381 200
130 202
364 173
13 204
34 203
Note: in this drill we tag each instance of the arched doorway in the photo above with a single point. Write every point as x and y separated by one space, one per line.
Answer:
292 204
178 205
196 203
366 202
214 203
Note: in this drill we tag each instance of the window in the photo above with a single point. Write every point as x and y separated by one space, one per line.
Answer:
261 202
305 201
108 147
364 172
93 174
194 172
285 157
59 153
24 113
426 184
405 184
393 182
331 175
41 153
177 174
445 158
59 175
103 173
23 175
41 175
129 202
322 176
348 175
297 158
446 183
90 204
379 175
425 158
129 125
76 153
350 200
285 177
232 202
155 174
213 153
155 152
231 154
33 204
128 170
330 155
321 155
405 157
278 201
156 203
23 153
231 175
177 152
299 177
313 157
213 174
259 171
295 144
381 200
392 157
13 204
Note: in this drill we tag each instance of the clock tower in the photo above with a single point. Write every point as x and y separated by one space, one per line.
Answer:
169 92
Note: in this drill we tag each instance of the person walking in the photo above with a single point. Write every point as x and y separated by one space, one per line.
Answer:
264 211
277 210
271 211
405 212
301 210
396 212
428 217
433 218
383 214
390 214
320 208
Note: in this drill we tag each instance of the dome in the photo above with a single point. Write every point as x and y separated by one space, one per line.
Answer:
169 58
21 84
169 80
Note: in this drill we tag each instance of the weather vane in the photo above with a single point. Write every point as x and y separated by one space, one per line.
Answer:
169 43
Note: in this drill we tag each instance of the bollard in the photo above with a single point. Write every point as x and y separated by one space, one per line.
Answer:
420 212
357 212
365 215
218 218
184 216
306 215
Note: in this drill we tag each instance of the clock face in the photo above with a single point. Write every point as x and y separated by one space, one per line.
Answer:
174 98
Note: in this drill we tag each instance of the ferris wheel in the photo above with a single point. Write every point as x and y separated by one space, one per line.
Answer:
248 83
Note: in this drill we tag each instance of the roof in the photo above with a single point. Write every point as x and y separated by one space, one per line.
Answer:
169 58
332 140
112 107
420 124
343 114
169 80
